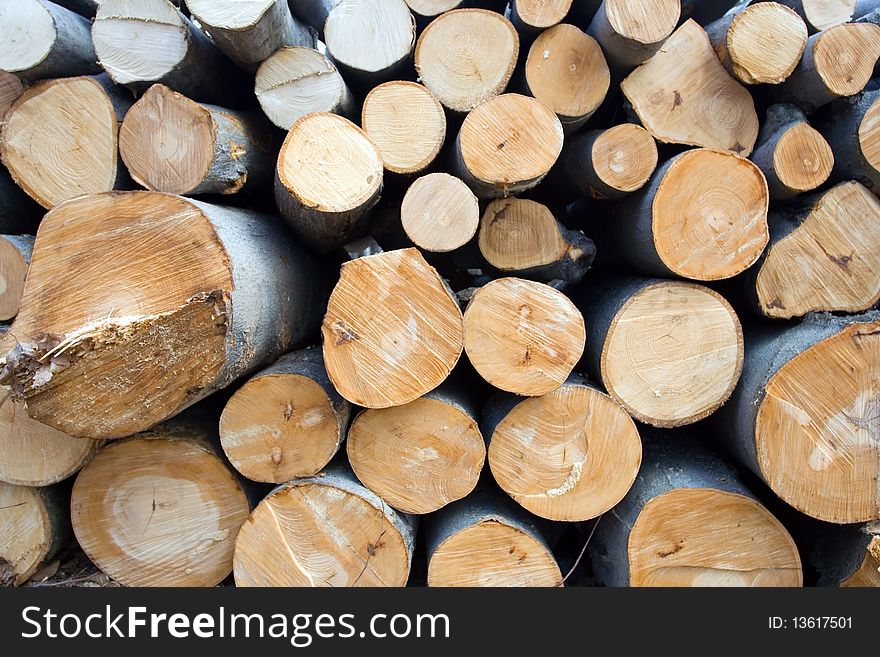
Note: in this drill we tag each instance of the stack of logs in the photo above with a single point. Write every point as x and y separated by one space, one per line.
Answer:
378 292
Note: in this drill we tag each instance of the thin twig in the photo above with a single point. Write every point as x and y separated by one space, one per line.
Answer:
581 555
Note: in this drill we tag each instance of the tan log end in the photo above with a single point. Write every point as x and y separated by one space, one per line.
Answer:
643 21
704 537
624 157
392 331
10 90
802 159
869 135
845 56
541 14
432 8
13 271
407 124
484 39
824 14
28 31
440 213
765 43
518 234
370 36
26 533
523 337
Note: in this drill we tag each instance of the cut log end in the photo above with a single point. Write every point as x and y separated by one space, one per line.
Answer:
643 21
392 331
868 575
15 255
370 36
672 354
484 39
407 124
432 8
802 159
817 424
440 213
540 14
845 56
624 157
824 14
26 533
765 43
523 337
675 541
28 30
10 90
869 136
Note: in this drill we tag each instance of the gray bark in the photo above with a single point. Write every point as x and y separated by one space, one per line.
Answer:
780 119
706 11
841 129
313 12
19 213
623 54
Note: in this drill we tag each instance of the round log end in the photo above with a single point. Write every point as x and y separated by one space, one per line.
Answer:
26 533
541 14
765 43
440 213
624 157
28 30
370 35
229 15
431 8
869 135
13 271
10 90
845 56
802 160
518 234
643 21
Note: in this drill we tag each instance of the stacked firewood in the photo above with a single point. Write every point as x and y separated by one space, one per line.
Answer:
378 292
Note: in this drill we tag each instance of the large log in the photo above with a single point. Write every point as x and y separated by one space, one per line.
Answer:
198 295
60 138
172 144
569 455
324 531
393 330
670 352
631 31
689 521
286 421
852 128
823 256
329 175
683 95
804 415
15 257
439 213
43 40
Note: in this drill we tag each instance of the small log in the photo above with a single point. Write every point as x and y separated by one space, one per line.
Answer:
486 540
286 421
172 144
407 124
421 456
15 258
440 213
160 509
524 238
198 296
523 337
248 33
10 90
19 213
534 16
329 176
393 330
34 525
670 352
507 145
632 31
794 157
852 128
370 40
702 216
837 62
824 256
689 521
484 39
683 95
803 417
142 42
44 40
760 43
313 12
60 139
824 14
566 70
298 81
570 455
324 531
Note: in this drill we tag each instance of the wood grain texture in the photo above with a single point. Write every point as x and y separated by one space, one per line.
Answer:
439 213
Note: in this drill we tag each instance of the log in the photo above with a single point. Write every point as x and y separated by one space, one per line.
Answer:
683 95
793 156
566 70
324 531
407 124
524 238
689 521
610 163
34 525
803 417
87 8
523 337
837 62
329 175
298 81
759 43
507 145
823 14
707 11
198 296
534 16
44 40
393 330
868 574
248 33
15 257
19 213
10 90
286 421
172 144
484 39
160 509
570 455
486 540
852 128
60 139
313 12
439 213
823 256
370 40
670 352
632 31
421 456
427 10
702 216
142 42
